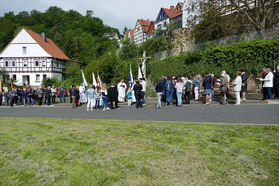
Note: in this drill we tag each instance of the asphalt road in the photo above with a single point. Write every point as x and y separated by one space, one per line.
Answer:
243 114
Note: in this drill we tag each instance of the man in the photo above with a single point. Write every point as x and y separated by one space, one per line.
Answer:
138 93
39 93
71 92
48 95
53 94
90 93
12 96
19 96
121 87
62 94
244 84
276 82
143 83
113 96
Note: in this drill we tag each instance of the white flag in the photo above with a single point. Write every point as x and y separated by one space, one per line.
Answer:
94 80
84 81
139 73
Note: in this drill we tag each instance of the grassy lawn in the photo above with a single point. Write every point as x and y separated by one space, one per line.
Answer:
86 152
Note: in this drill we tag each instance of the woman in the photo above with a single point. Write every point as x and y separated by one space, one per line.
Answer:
196 87
268 84
237 87
159 91
105 97
179 90
207 88
169 91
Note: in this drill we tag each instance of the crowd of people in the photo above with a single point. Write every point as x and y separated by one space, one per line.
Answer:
169 90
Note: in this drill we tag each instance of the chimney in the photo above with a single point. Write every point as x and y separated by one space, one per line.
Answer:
43 35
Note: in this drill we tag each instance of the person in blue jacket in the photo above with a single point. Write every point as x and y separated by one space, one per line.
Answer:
169 87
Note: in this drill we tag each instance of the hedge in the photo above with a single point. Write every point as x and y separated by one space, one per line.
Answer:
251 56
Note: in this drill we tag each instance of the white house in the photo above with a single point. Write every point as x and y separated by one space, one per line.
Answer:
140 31
30 57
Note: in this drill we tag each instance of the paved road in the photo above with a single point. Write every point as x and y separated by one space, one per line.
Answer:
243 114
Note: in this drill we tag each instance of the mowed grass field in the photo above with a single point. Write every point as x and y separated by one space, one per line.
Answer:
88 152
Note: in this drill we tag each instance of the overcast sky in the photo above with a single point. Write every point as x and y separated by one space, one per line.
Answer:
115 13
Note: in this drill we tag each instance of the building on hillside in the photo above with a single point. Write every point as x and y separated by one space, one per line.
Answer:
140 32
191 9
163 18
176 16
111 35
30 57
151 29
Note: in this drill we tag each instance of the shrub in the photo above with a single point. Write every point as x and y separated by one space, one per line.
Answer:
251 56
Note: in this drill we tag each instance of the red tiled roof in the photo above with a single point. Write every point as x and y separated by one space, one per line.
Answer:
49 46
145 24
126 34
132 33
174 14
151 28
168 11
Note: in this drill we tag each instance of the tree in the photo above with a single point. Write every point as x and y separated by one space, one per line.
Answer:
128 50
4 75
257 12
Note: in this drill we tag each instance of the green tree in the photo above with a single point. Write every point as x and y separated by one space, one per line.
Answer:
128 50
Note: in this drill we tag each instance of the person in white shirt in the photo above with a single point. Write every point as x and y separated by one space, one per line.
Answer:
143 84
82 96
121 88
237 87
268 83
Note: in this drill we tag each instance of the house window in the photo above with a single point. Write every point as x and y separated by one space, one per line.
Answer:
13 63
6 63
25 63
43 63
36 63
193 7
44 76
14 76
37 77
24 50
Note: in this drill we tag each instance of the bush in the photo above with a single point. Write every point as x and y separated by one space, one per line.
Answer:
251 56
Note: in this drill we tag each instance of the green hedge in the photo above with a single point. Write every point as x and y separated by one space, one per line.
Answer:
251 56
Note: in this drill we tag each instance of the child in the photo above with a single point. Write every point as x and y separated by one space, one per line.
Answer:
98 97
129 96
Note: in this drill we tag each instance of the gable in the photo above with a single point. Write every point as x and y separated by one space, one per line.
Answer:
23 37
21 40
161 16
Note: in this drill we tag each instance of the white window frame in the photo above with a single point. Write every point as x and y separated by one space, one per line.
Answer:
25 64
38 77
44 63
24 50
6 63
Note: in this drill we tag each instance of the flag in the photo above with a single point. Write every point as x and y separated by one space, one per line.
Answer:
99 81
94 80
139 73
131 77
1 86
84 81
12 85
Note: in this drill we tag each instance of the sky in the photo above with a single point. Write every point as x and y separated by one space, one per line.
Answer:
115 13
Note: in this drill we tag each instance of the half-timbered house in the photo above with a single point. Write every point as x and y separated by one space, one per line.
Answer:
31 57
